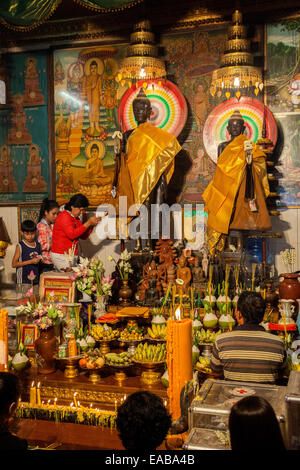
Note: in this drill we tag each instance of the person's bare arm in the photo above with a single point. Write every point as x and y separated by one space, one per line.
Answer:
18 264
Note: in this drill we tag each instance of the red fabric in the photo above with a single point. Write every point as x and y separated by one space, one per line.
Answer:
67 229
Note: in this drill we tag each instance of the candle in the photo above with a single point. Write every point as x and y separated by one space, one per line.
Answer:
38 393
3 340
32 394
75 399
115 405
253 274
89 316
179 360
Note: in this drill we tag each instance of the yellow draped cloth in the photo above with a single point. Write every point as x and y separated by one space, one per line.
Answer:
220 194
150 153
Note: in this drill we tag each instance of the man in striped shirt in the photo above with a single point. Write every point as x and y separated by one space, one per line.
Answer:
248 353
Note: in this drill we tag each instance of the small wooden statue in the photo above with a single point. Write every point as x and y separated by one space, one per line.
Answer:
152 297
184 273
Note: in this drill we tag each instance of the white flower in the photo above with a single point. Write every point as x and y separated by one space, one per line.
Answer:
125 255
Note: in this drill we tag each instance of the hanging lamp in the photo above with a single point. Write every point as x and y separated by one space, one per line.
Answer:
237 72
141 61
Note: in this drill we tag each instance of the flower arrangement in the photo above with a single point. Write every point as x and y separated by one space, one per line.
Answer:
46 316
288 258
123 265
89 277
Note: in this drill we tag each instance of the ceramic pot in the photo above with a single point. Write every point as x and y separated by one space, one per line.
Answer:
45 349
125 293
289 288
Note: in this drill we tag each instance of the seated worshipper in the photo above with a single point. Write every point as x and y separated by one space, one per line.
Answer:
248 353
253 426
143 422
9 397
68 229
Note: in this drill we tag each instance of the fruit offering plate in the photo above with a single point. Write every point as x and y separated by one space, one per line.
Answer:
68 359
148 364
157 340
120 360
131 341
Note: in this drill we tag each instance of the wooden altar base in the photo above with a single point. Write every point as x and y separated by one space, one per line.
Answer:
71 436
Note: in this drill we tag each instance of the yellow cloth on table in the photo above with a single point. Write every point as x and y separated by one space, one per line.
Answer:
150 153
220 194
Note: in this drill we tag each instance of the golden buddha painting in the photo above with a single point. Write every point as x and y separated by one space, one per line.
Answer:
86 97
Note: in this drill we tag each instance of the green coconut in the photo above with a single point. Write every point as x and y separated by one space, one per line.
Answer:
195 354
225 321
90 341
196 324
20 361
235 301
159 320
82 343
165 379
209 301
221 301
210 320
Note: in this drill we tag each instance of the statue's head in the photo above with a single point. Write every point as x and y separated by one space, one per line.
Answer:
236 124
93 67
141 107
94 150
182 261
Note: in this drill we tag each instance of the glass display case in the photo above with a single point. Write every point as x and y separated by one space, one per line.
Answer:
211 408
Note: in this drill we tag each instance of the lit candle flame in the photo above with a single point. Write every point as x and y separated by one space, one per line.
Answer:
178 314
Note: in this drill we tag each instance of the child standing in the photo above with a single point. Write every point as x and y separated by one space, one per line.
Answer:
27 257
48 213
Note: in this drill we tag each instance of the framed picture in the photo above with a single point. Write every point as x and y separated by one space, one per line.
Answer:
29 334
31 212
57 287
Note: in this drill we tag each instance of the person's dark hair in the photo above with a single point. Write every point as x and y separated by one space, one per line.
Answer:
252 306
253 426
143 421
78 200
9 393
28 226
47 205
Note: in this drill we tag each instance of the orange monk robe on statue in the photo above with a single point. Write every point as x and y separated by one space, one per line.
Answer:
224 196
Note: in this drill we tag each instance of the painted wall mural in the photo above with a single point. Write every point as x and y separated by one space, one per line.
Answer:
283 95
86 116
191 58
24 158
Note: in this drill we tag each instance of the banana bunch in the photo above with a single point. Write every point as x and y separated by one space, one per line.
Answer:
122 359
203 364
157 331
150 352
206 336
103 332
